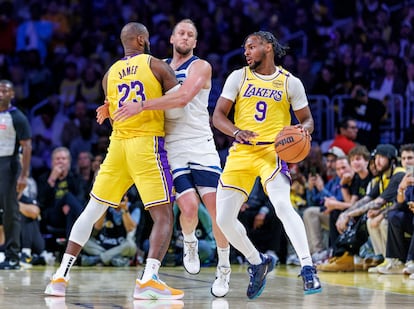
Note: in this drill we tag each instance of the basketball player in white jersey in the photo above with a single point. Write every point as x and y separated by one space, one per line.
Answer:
193 156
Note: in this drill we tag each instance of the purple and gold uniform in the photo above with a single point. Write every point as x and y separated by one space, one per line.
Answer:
262 104
136 153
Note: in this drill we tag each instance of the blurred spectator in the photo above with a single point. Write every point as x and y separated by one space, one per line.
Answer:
368 113
61 27
346 134
90 88
399 248
35 34
305 74
86 139
47 129
60 194
85 171
68 88
316 216
77 55
33 244
8 27
381 195
389 82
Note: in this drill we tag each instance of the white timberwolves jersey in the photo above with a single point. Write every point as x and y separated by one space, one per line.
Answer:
194 121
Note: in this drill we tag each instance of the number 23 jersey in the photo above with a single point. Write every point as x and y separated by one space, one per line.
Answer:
131 79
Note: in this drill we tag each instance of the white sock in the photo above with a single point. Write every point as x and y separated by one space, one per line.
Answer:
151 268
223 255
190 237
65 266
27 251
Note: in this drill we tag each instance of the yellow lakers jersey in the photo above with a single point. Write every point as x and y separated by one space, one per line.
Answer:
262 104
131 79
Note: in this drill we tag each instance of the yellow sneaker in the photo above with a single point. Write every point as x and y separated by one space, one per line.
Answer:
57 287
155 289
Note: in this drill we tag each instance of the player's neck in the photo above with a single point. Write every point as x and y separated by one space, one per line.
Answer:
265 69
179 59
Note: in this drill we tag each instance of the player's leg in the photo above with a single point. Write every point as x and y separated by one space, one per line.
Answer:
188 202
220 286
279 194
153 180
111 170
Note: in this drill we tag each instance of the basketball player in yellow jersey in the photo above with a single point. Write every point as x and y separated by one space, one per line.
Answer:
262 94
135 155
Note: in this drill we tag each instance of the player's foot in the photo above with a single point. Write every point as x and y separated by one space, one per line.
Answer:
155 289
191 261
57 287
258 274
311 283
220 286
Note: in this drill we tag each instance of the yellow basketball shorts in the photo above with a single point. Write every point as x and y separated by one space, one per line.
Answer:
245 162
140 160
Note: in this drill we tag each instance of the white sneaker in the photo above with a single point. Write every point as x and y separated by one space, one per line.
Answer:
220 286
191 261
394 266
409 268
57 287
411 277
375 269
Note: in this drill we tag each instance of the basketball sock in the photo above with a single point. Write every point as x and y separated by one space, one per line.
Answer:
223 255
151 268
190 237
65 266
27 251
279 194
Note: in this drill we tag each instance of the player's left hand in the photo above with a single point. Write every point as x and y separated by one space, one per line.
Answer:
127 110
302 128
102 112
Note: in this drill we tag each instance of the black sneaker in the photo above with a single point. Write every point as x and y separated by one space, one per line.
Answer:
258 274
25 260
10 264
311 283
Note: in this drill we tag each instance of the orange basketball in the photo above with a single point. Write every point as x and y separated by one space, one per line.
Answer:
292 145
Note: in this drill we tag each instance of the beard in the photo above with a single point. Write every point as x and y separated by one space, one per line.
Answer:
254 64
183 51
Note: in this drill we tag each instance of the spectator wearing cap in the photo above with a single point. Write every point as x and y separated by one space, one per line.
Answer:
381 196
330 157
346 135
401 222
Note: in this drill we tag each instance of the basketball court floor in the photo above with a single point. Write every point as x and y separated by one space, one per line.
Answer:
108 287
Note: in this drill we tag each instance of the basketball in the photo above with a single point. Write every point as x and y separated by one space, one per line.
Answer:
292 145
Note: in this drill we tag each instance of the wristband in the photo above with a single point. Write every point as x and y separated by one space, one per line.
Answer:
124 211
236 132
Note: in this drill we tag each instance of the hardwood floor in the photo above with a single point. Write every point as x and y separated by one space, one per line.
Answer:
108 287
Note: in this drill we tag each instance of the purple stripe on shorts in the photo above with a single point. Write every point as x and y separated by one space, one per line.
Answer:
165 166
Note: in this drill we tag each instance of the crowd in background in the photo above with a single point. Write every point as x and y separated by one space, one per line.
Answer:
56 52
